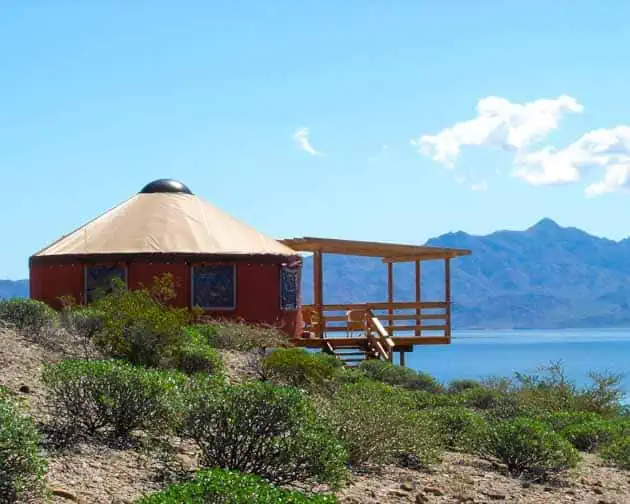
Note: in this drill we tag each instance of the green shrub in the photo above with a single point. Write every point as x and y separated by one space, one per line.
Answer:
264 429
197 356
425 400
392 374
27 315
85 322
589 436
240 336
458 427
299 368
482 398
528 448
457 386
380 424
560 420
219 486
139 326
618 452
21 466
112 396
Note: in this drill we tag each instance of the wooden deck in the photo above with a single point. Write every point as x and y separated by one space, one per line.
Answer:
355 332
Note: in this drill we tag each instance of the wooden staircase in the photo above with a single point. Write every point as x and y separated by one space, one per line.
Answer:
375 343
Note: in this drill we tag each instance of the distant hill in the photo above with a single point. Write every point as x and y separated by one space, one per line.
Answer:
546 276
11 289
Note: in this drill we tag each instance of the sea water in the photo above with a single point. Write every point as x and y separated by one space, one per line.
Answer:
479 354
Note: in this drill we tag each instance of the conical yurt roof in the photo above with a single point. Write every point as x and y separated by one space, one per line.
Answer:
165 218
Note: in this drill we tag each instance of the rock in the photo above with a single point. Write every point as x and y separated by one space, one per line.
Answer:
421 498
65 494
526 484
407 486
598 491
398 493
549 489
496 495
433 490
25 389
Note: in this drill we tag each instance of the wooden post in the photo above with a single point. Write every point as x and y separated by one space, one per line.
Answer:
418 296
390 295
318 294
402 358
447 296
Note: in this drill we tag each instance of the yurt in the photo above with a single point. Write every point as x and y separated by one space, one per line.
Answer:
218 263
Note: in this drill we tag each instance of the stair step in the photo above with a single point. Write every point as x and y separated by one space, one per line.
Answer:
353 360
349 354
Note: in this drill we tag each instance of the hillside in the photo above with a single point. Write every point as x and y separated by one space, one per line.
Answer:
546 276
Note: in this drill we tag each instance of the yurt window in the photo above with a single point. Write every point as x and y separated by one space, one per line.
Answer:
99 279
289 288
214 286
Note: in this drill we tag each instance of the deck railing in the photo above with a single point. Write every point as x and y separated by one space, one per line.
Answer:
404 319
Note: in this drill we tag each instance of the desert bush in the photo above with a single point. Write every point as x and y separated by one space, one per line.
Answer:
560 420
380 424
85 322
392 374
21 466
264 429
113 396
603 395
299 368
618 452
590 435
220 486
457 386
139 326
28 315
197 356
528 448
240 336
482 398
458 427
426 400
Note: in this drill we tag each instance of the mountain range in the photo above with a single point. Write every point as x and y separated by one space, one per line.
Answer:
546 276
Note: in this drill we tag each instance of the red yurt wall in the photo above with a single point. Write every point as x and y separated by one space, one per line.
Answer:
257 286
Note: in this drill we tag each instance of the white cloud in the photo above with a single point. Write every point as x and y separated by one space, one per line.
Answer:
499 123
604 152
480 186
300 137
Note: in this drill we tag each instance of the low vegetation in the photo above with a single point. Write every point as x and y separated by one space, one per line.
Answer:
27 315
527 448
298 368
22 467
264 429
113 397
380 425
219 486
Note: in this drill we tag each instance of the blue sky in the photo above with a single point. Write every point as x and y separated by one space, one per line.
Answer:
99 98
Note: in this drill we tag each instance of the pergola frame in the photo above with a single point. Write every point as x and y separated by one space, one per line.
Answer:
390 253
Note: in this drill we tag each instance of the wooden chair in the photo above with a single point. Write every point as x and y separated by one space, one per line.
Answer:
356 321
311 322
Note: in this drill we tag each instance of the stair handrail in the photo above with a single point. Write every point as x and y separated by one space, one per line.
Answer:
384 345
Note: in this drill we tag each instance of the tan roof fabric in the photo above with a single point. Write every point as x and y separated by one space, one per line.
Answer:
166 223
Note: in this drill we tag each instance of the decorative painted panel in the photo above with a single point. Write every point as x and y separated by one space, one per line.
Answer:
214 287
289 288
98 280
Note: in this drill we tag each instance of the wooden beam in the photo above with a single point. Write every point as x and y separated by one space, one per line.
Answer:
390 293
418 294
402 358
447 296
432 256
318 295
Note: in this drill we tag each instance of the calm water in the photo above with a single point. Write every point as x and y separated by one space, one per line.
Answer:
477 354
